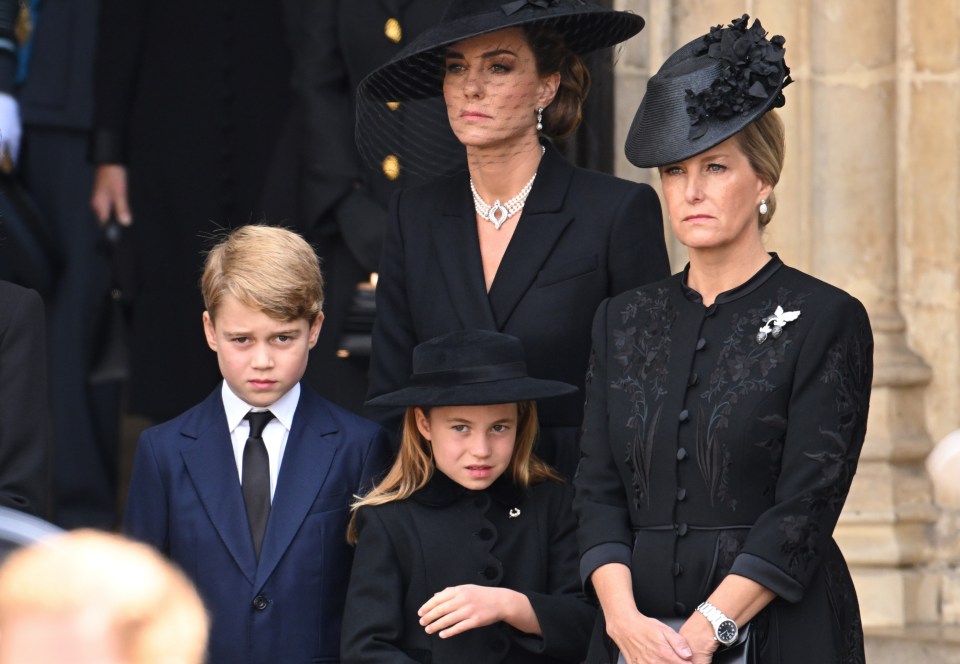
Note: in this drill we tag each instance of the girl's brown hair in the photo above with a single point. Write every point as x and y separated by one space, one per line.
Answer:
414 465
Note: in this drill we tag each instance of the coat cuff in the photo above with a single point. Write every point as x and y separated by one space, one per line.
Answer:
768 575
601 554
107 147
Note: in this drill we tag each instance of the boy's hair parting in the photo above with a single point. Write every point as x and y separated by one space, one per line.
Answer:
267 268
414 466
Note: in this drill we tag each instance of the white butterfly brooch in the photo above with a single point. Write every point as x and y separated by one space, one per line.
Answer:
773 325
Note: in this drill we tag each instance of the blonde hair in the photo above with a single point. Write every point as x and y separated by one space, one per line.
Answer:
267 268
764 144
414 465
150 607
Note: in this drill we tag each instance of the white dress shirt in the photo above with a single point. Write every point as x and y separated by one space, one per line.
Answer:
274 435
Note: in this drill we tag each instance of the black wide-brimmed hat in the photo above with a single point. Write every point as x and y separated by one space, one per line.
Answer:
417 71
419 140
471 368
706 92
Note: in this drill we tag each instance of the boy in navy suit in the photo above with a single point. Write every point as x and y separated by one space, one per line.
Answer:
249 490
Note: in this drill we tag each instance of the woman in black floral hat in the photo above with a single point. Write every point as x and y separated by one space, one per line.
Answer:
726 405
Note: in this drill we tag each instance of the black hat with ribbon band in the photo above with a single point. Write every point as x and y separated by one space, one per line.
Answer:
706 92
417 71
471 368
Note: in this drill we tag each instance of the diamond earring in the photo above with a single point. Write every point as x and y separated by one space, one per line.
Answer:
763 206
539 119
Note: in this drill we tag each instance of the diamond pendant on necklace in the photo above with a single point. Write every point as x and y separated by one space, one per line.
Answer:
499 212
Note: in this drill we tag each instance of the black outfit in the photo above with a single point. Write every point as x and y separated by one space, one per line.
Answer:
24 429
194 98
707 452
56 104
445 535
582 236
345 203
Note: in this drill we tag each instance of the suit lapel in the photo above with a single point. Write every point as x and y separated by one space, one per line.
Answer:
311 448
458 253
213 471
541 225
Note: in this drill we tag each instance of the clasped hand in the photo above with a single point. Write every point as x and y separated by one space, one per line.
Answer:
460 608
644 640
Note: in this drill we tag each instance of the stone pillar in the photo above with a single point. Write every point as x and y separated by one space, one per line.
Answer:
885 529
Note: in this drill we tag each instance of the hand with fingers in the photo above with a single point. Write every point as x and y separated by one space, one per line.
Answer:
644 640
110 194
457 609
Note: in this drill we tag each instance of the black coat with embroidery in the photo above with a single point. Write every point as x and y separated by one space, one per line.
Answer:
708 451
445 535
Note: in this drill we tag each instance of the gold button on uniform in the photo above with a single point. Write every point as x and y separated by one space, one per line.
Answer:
392 30
393 105
391 167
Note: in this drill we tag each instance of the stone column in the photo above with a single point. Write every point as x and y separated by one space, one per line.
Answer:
853 147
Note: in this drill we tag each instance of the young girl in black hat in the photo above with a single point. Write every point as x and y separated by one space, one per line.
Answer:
466 550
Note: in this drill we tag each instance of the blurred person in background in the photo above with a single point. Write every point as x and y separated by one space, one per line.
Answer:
91 598
54 90
344 201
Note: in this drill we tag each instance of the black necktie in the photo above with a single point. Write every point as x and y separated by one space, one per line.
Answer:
256 477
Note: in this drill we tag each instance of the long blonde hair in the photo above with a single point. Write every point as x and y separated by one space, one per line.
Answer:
414 465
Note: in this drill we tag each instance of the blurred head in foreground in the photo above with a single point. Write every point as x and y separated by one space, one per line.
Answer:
92 598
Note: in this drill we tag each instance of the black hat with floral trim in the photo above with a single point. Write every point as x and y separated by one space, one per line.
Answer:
706 92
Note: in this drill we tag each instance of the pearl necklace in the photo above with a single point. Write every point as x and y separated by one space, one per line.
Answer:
499 212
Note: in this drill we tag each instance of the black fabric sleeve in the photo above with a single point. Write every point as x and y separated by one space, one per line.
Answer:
825 432
24 416
600 503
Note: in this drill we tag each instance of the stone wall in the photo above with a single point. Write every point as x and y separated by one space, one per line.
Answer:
868 201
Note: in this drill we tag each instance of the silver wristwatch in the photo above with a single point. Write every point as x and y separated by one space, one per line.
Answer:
724 630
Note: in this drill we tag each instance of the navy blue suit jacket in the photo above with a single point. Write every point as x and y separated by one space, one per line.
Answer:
185 499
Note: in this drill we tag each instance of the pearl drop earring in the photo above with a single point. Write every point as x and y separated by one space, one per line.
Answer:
539 119
763 206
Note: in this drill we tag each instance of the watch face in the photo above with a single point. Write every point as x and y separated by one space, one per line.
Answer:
727 632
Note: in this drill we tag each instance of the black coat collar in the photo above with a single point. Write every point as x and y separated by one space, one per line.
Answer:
441 491
753 283
545 216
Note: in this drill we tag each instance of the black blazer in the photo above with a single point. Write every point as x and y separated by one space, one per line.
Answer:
24 417
445 535
583 236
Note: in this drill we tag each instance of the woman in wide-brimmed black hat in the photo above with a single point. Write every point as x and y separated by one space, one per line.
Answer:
466 550
727 405
521 242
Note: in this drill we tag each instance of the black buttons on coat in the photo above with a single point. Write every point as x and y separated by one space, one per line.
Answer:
681 454
701 343
485 534
694 378
489 572
684 415
681 494
677 569
680 609
682 529
260 602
